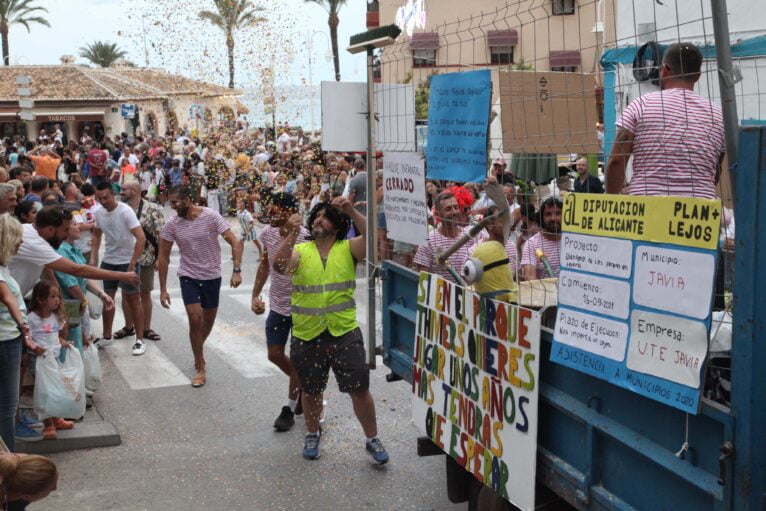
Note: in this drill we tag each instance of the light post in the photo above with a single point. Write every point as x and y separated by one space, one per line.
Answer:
328 57
367 42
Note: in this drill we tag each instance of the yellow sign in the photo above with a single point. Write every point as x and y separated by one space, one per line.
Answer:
682 221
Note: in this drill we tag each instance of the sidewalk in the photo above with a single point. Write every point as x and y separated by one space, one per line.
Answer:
91 431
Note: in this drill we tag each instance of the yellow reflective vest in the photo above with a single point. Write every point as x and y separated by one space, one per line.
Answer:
323 294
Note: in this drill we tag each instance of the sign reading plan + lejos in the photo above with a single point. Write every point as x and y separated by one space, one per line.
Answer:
475 384
636 290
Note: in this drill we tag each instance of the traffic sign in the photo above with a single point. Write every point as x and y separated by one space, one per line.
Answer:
23 80
27 116
24 91
26 103
127 111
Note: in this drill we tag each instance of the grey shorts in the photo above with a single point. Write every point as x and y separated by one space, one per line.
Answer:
112 285
147 278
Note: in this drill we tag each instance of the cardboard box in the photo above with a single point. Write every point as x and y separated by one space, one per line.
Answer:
548 112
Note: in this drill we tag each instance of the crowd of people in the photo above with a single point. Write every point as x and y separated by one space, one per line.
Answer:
89 217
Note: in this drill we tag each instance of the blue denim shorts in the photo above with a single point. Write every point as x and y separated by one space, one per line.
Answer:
111 285
278 329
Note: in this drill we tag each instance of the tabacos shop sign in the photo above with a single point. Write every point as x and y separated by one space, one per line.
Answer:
411 15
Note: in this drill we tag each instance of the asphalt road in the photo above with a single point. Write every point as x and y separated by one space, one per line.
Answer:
215 447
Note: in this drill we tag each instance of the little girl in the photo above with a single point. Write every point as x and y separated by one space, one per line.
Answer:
47 327
248 226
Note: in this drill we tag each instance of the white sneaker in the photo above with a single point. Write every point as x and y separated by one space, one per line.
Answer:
139 348
88 393
103 342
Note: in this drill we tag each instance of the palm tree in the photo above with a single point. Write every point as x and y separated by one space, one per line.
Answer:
101 53
332 7
233 15
18 12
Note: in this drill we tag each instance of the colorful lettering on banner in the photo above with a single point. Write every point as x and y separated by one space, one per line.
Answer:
475 384
635 292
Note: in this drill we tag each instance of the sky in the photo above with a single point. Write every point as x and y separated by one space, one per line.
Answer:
176 40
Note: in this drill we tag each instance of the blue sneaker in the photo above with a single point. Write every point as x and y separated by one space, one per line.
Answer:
377 451
311 446
26 434
30 422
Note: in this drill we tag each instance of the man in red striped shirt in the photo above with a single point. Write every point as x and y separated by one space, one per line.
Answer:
676 137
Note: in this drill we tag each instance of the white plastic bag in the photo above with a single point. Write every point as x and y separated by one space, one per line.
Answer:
92 365
95 308
59 387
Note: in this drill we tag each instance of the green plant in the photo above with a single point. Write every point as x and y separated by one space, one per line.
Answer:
18 12
101 53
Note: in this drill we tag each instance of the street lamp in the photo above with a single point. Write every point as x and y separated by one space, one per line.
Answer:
328 57
367 42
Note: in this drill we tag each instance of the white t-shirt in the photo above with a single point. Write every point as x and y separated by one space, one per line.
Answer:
44 331
8 328
119 242
146 180
86 237
34 254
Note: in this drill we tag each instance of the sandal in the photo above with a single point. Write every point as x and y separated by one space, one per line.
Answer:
151 335
124 332
199 380
49 433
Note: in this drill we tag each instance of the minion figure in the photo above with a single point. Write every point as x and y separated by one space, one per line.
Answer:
489 268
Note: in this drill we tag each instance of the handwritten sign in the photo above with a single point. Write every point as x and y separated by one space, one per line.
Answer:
458 123
475 384
404 183
635 292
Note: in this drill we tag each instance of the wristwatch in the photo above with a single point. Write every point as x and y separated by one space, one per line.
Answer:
236 270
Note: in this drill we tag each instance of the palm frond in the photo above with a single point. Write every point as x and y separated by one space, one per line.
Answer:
214 18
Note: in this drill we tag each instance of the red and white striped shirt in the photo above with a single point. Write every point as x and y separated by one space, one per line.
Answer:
437 243
281 288
551 249
197 242
679 138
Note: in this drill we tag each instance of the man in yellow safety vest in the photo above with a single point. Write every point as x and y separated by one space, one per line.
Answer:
325 332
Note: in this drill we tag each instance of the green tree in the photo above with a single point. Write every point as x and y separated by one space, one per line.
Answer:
101 53
230 16
332 7
18 12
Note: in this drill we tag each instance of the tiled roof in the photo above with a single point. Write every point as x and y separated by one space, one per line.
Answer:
79 83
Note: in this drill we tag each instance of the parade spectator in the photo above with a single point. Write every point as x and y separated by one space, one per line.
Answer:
545 245
279 321
8 198
196 229
585 182
36 189
25 478
449 215
247 230
675 136
25 212
325 331
152 221
124 242
37 253
46 162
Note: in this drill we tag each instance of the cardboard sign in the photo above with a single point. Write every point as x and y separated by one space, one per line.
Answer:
458 125
475 384
635 292
404 183
548 112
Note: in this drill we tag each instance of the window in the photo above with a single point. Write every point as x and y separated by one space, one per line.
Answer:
423 58
501 54
566 69
563 7
373 6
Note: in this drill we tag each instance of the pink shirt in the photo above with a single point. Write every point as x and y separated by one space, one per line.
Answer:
281 287
679 138
197 241
551 249
437 242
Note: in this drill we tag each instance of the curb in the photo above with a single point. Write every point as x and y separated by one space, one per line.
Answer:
91 431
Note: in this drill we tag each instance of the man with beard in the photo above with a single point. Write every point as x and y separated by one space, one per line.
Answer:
546 244
451 224
37 252
124 243
325 331
279 321
196 229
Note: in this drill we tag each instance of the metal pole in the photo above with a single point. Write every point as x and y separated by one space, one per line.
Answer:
310 37
726 84
146 51
371 212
